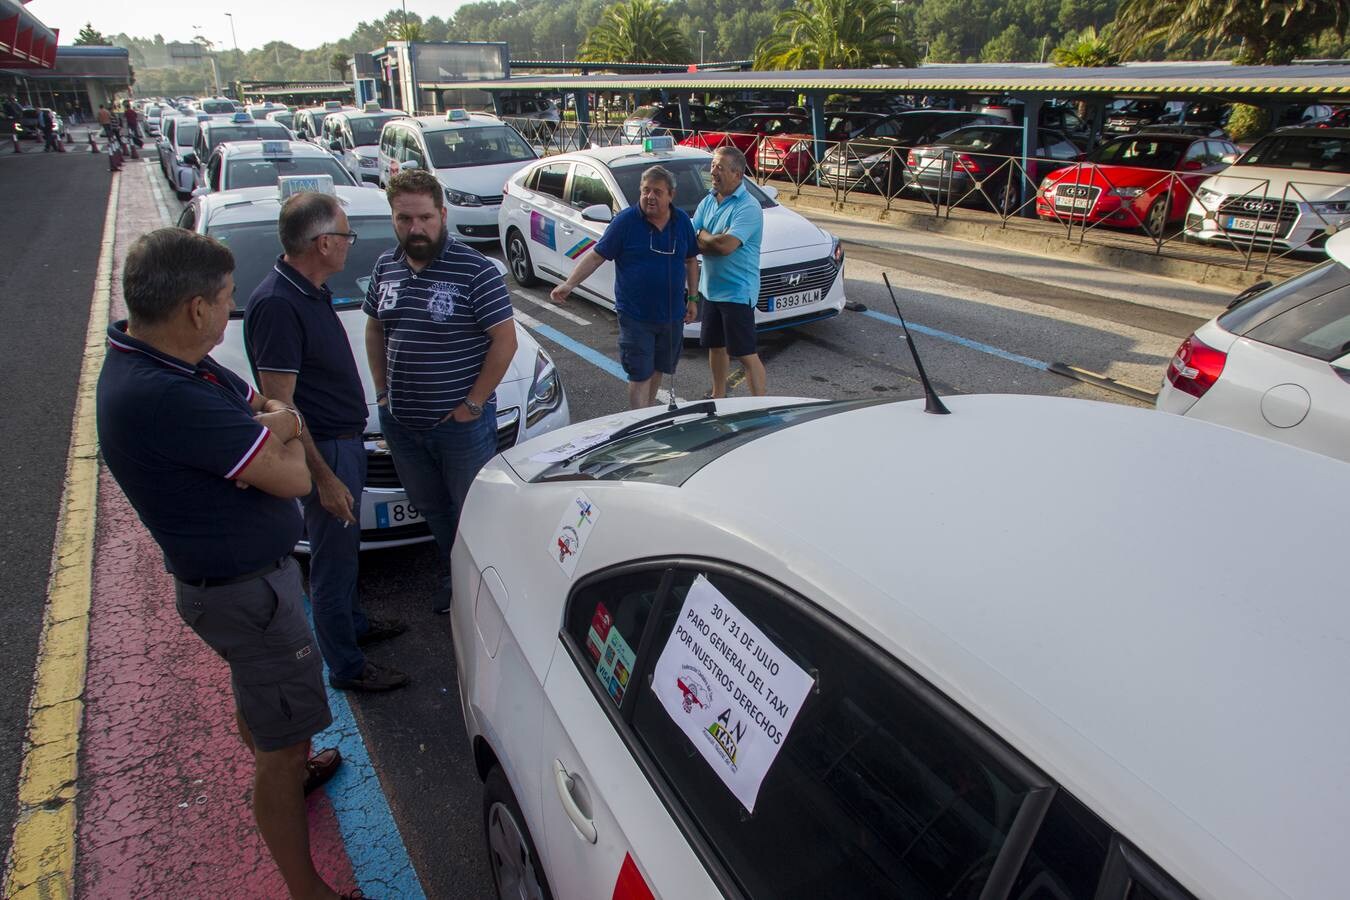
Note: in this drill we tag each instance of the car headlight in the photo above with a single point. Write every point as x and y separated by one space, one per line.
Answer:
1331 207
1208 199
460 198
874 158
1129 193
837 251
368 162
545 391
800 147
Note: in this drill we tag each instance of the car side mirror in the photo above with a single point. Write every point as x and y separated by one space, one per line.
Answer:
597 212
1191 165
408 166
335 146
1228 159
200 191
369 184
769 191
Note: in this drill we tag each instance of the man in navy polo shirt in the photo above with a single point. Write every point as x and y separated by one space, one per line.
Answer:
300 354
439 339
213 469
655 257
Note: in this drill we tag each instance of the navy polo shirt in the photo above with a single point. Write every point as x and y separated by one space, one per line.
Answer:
290 326
175 436
435 327
649 283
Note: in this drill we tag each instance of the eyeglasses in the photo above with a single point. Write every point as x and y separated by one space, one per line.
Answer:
651 242
349 235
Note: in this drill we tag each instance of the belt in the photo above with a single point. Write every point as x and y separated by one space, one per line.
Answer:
235 579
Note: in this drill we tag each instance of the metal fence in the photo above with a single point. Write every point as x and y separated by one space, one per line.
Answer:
1261 225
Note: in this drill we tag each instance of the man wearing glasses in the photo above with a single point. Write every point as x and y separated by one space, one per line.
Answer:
655 256
301 356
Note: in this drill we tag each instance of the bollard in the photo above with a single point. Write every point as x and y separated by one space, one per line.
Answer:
18 148
93 144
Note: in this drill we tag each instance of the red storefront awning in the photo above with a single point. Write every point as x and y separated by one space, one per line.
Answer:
25 43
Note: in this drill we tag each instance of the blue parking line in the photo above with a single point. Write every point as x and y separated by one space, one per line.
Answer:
592 356
379 858
964 342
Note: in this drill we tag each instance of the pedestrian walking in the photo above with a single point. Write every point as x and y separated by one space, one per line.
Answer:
655 256
105 120
133 120
212 468
301 356
51 141
729 223
439 339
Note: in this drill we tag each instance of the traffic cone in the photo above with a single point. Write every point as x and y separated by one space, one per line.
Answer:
93 144
18 148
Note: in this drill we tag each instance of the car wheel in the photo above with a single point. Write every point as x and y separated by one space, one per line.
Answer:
515 865
1155 220
518 259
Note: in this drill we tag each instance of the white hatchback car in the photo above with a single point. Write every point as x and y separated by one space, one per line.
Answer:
1290 191
530 398
558 208
1276 363
236 165
471 155
681 683
354 138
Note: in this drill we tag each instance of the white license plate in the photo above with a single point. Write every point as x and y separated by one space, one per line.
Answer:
394 514
1072 203
792 301
1260 226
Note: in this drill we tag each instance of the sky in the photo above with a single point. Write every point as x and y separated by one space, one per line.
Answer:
305 24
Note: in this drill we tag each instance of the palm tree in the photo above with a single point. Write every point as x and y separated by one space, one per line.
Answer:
406 31
1087 49
636 31
1269 32
834 34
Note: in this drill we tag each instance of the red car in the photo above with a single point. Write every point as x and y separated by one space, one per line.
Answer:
745 133
1125 183
791 154
1338 119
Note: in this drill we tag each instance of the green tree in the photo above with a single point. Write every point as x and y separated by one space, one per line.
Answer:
338 63
1270 32
1086 49
834 34
406 31
89 35
636 31
1247 122
944 49
1011 45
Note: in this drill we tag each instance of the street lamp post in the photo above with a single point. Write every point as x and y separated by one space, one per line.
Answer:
233 36
701 33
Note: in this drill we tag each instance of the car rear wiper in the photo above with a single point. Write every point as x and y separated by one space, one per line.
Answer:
706 408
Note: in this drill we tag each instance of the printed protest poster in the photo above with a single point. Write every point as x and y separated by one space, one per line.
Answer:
574 529
731 691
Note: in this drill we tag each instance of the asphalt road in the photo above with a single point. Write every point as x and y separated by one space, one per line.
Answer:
51 221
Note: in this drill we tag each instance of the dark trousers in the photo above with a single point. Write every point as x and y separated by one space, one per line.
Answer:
333 563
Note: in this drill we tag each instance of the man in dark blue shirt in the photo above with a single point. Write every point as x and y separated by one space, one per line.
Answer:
300 354
655 255
213 469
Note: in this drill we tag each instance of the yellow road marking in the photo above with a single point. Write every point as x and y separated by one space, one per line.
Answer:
41 861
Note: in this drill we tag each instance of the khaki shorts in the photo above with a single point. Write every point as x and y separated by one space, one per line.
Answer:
259 627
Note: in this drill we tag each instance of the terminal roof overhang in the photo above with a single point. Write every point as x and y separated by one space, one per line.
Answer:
25 43
1216 80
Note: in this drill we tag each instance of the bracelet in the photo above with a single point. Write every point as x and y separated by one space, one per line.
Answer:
299 422
380 395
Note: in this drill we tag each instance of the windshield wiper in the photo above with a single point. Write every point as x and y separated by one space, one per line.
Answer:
706 408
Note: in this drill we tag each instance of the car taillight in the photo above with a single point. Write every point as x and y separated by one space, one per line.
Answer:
963 163
1195 367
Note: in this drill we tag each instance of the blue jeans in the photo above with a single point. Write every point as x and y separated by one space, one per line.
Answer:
333 566
437 466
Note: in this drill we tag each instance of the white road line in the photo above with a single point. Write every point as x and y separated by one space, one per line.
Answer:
552 307
527 320
158 190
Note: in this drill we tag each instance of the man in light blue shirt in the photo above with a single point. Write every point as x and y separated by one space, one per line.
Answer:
730 223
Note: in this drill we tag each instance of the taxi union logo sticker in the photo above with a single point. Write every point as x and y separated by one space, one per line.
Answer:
568 543
727 737
694 688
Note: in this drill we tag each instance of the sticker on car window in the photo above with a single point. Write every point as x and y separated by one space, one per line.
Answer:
729 688
541 230
615 664
574 529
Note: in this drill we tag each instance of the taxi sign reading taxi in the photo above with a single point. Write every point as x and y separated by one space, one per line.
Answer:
661 144
276 148
297 184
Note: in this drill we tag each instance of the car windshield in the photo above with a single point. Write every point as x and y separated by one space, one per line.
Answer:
979 138
282 118
1142 153
217 107
458 147
1300 151
1141 108
261 131
644 112
247 173
1308 314
366 130
692 182
672 450
256 247
186 135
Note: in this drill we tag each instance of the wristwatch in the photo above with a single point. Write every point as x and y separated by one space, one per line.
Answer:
473 407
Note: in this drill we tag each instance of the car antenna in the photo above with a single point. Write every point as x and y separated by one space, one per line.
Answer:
932 402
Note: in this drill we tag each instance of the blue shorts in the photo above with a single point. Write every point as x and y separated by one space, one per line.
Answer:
649 347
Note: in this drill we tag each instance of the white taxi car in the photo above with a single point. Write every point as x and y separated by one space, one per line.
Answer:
1276 363
471 155
1290 191
680 684
177 156
354 138
530 398
249 164
558 208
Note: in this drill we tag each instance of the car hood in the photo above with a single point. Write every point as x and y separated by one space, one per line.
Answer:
368 152
785 229
868 146
1113 176
1290 184
485 181
232 355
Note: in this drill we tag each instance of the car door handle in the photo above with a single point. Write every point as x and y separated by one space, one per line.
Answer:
564 780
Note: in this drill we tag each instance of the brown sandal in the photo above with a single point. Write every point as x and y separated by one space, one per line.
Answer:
320 768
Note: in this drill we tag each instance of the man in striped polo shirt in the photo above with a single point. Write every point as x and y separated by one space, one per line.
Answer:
439 339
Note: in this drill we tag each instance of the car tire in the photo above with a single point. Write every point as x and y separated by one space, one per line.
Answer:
1155 220
518 259
516 868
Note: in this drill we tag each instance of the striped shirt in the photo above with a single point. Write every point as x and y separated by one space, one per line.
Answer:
435 327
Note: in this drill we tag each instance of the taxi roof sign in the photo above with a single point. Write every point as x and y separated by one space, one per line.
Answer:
289 185
659 144
332 104
276 148
371 106
457 115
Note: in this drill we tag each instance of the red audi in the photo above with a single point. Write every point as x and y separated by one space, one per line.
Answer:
745 133
792 155
1126 183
